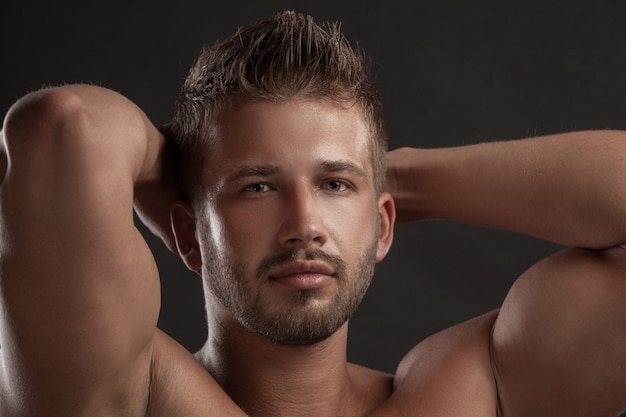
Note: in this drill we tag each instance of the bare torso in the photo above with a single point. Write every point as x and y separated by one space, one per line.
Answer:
448 374
79 310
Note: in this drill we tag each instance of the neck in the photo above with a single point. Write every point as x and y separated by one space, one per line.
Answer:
265 379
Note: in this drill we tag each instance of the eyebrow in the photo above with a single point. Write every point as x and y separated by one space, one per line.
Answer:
342 166
269 170
253 171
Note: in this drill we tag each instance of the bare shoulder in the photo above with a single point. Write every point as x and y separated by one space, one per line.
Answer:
372 388
181 386
559 342
447 374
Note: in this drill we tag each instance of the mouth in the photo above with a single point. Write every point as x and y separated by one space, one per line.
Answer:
303 275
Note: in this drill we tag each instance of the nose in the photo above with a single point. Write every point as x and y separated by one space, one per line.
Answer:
302 223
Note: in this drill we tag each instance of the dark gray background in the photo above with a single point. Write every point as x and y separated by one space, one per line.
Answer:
450 73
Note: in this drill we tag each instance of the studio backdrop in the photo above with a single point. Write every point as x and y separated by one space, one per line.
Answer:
449 73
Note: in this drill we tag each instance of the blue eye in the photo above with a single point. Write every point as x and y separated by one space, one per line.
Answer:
257 188
336 185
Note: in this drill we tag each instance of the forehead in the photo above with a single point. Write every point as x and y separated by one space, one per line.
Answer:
291 131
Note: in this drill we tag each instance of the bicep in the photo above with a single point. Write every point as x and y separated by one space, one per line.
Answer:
79 287
559 343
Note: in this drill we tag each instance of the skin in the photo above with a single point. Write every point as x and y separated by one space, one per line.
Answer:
78 320
317 194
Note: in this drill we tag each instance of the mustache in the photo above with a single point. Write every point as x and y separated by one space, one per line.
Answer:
338 264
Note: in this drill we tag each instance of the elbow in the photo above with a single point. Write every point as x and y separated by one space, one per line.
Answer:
40 117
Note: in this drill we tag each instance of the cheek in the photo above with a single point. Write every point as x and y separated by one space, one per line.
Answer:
245 232
355 225
213 230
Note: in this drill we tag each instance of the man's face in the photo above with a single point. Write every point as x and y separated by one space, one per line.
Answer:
290 227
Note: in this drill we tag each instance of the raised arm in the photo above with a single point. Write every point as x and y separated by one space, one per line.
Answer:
558 345
568 188
79 287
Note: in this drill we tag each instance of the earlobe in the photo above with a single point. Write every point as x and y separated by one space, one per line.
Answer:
183 222
387 213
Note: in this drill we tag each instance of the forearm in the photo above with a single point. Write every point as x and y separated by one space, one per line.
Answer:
567 188
158 190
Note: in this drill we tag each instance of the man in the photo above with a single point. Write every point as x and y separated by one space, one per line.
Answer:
279 205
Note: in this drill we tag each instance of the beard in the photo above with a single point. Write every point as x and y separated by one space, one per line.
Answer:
301 320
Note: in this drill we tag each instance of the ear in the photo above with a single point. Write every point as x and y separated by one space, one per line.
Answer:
387 213
183 222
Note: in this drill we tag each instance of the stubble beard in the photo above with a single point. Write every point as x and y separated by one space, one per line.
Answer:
308 320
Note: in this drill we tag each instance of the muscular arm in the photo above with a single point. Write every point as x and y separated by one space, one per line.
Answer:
568 188
80 291
559 342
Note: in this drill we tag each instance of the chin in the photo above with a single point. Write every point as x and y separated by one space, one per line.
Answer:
309 322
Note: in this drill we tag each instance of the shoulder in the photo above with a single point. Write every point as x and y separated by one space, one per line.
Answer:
449 373
181 386
556 347
559 342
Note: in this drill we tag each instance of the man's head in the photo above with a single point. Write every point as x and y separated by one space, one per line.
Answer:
283 135
287 56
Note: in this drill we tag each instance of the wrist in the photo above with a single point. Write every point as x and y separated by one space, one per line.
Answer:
412 180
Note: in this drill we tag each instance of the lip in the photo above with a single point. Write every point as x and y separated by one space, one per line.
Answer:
304 275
